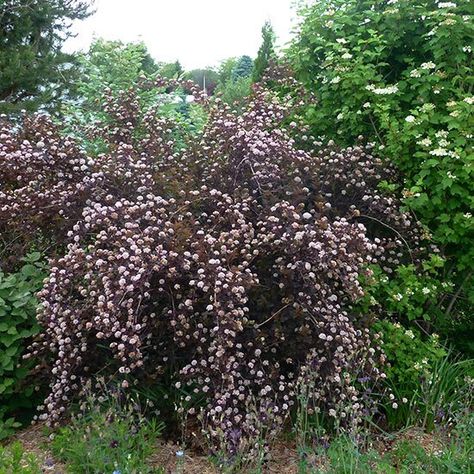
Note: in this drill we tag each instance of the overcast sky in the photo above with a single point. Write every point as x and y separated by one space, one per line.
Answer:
198 33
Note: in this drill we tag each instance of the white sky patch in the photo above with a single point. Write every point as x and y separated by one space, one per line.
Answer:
198 33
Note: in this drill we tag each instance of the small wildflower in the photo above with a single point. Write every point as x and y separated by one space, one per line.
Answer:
451 175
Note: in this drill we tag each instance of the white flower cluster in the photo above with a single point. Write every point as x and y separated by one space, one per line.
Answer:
428 65
393 89
447 5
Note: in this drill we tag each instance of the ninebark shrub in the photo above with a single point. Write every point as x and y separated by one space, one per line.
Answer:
234 260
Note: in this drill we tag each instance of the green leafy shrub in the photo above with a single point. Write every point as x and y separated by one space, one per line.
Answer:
409 294
410 357
235 92
429 384
113 438
18 325
400 73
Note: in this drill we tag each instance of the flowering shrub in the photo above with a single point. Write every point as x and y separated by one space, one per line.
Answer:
233 261
399 73
409 294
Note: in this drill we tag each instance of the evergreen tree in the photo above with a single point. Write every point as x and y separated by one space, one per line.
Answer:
34 72
243 68
266 53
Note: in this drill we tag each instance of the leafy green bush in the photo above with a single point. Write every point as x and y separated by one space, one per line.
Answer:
410 357
112 439
430 385
409 294
18 324
235 92
400 73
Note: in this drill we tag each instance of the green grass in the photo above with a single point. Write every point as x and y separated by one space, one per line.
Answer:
14 460
453 454
108 440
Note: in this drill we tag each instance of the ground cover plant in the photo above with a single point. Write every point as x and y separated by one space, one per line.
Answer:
110 435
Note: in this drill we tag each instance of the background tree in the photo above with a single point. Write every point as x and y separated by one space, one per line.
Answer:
207 78
225 70
34 70
243 68
171 70
115 65
266 53
231 89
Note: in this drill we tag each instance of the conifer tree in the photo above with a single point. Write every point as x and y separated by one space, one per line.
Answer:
34 72
243 68
266 53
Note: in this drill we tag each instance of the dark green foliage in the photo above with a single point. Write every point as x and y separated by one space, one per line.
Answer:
266 53
17 325
243 68
34 71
